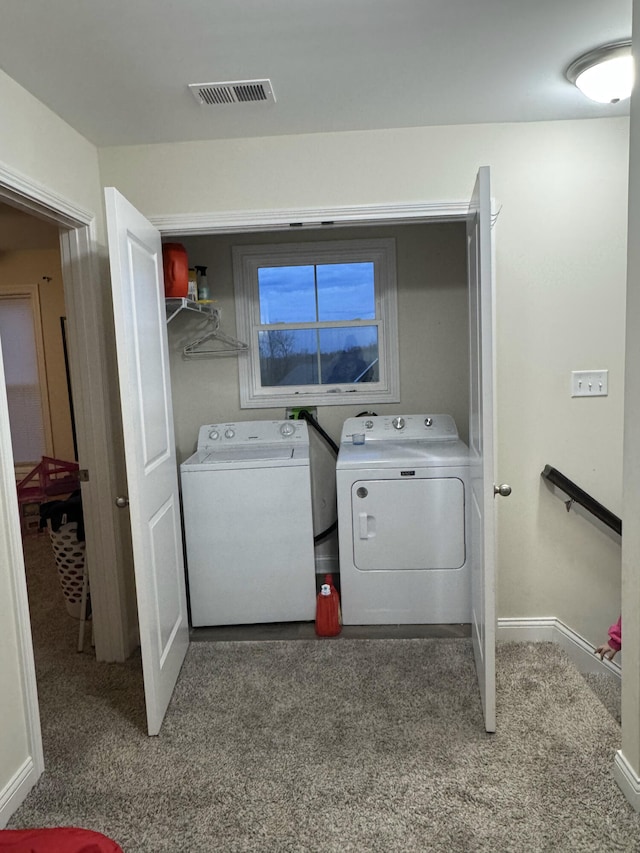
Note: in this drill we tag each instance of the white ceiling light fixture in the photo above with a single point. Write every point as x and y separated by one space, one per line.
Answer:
605 74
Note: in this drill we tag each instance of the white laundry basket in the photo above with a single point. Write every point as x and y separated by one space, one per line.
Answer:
70 560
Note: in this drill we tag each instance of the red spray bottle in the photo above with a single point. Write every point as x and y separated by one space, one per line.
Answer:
328 621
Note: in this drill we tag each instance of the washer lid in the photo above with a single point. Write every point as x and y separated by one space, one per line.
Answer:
237 454
263 456
250 444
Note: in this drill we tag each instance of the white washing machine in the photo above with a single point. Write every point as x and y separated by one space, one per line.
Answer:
403 521
246 496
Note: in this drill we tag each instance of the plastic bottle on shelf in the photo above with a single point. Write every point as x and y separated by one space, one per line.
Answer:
176 269
204 291
192 292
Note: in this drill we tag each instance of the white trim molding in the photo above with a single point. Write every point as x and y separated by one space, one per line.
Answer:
549 629
15 791
31 197
229 222
627 779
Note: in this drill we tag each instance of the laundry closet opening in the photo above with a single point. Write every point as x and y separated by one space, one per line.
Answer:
433 348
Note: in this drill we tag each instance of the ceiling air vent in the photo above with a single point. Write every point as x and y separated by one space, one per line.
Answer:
238 92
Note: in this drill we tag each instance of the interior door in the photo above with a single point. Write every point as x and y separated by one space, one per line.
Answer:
483 586
152 478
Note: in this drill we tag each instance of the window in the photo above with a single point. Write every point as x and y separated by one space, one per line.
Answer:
22 365
321 323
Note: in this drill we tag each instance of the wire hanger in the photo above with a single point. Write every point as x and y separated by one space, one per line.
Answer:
231 345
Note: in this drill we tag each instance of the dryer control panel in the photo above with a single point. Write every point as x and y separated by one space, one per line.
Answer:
394 428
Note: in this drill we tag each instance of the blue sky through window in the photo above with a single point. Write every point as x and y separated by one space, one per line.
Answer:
344 292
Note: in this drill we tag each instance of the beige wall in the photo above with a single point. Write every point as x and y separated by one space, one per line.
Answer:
33 267
36 143
561 188
19 230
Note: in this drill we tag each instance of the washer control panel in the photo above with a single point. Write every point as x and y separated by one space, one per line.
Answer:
398 428
244 433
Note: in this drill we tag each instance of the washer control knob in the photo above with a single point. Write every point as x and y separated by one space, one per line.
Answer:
368 424
287 428
398 423
428 422
229 433
214 435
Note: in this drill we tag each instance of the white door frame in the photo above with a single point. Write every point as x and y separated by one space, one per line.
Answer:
115 639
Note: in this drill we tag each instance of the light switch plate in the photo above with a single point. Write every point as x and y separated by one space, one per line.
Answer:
589 383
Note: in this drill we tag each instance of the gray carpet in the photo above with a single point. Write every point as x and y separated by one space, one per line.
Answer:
328 745
608 690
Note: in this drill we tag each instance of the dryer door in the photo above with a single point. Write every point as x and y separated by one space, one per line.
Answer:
408 524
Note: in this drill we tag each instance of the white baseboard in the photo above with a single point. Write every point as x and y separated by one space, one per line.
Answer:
628 781
549 629
15 791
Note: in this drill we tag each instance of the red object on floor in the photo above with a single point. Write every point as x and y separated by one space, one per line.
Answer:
328 621
67 839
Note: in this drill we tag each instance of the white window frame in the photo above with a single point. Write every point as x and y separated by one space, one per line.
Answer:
246 262
32 293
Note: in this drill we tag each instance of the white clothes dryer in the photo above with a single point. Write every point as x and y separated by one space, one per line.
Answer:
246 496
403 521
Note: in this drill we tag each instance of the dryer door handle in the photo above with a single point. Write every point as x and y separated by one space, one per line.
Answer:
367 530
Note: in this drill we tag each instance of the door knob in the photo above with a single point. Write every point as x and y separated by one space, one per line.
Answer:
121 502
504 490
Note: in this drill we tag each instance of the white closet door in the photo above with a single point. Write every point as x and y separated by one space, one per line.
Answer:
152 476
483 586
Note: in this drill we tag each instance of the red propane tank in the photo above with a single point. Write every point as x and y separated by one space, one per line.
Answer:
328 621
176 269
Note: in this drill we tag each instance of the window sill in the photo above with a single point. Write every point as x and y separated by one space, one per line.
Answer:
325 398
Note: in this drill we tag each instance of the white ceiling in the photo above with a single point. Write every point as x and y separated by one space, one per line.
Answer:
117 70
